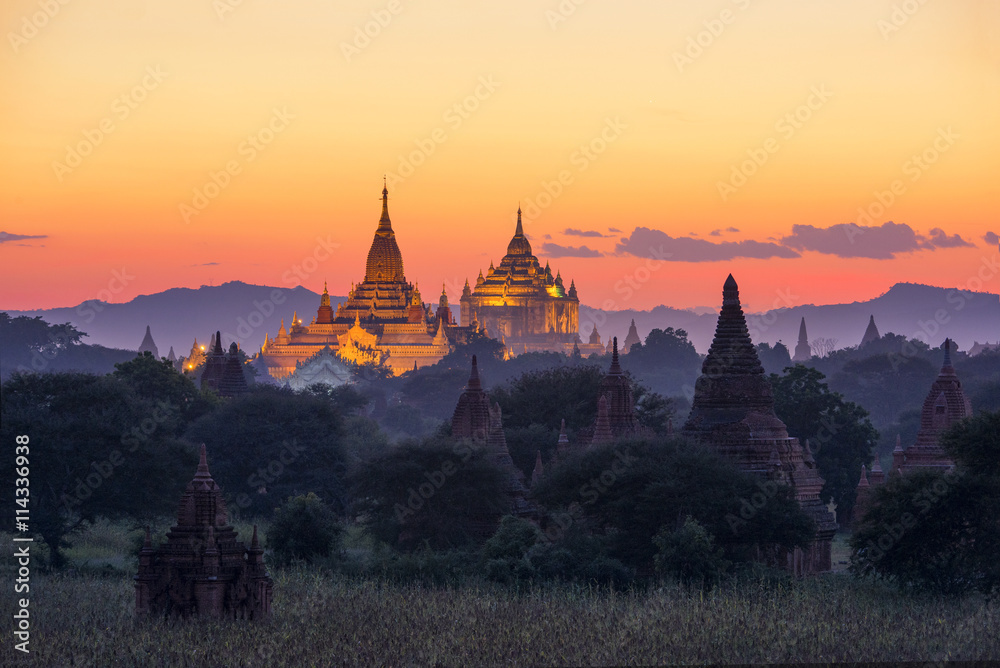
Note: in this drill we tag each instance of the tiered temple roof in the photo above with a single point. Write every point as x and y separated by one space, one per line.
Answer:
383 319
522 303
475 419
945 405
617 391
203 569
733 412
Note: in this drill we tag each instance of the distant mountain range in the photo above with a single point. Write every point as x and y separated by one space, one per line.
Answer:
244 312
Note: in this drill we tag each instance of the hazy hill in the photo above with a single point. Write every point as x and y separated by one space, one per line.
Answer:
916 311
245 312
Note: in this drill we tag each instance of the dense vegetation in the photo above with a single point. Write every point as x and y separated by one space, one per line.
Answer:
364 500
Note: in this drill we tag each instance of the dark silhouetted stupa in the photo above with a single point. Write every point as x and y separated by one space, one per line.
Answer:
147 345
733 413
203 569
475 419
945 405
803 351
871 333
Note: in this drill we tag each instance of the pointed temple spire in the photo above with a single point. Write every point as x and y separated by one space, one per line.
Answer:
733 413
946 365
384 224
147 345
519 243
803 351
474 382
871 333
631 338
616 368
602 427
539 470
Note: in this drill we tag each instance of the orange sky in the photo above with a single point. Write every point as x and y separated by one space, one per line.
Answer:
182 86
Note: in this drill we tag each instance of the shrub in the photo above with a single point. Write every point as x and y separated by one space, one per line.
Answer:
689 555
303 529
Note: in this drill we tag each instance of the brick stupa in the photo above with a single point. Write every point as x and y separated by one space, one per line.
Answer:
203 569
617 390
733 413
945 405
476 420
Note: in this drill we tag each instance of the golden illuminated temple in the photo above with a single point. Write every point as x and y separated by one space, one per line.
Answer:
383 320
523 305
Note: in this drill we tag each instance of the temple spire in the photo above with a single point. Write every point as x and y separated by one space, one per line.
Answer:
384 224
615 366
947 355
474 382
519 232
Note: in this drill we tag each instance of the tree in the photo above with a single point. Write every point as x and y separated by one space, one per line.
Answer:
938 531
627 493
689 555
272 444
96 448
840 432
303 528
33 345
549 396
157 380
775 358
435 492
666 362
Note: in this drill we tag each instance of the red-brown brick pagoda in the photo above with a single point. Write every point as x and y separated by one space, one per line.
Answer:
203 569
733 412
476 420
945 405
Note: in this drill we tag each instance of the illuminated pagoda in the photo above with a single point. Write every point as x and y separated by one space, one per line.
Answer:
383 320
524 305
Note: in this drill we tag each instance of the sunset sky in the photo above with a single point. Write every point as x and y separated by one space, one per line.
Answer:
722 136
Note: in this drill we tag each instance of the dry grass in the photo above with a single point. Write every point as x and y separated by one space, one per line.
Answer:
87 620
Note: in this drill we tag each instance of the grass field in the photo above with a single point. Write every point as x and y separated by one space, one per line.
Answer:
86 619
